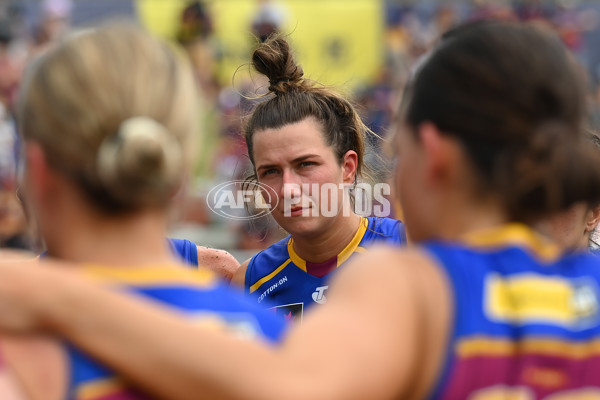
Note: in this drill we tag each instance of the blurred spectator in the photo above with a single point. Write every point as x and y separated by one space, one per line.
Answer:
268 20
52 25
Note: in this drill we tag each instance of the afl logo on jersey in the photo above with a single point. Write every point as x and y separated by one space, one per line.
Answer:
319 295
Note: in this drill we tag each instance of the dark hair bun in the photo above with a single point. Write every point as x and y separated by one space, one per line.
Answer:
273 58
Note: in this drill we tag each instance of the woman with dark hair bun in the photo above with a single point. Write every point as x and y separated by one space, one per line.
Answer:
307 148
489 143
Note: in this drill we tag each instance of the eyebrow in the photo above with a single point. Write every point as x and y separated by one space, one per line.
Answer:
294 161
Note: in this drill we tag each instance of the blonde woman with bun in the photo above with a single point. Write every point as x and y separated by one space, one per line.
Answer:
108 121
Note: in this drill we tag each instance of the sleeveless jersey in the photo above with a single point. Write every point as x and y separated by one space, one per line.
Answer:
197 294
527 319
277 277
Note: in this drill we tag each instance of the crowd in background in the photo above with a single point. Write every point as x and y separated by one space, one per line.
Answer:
27 28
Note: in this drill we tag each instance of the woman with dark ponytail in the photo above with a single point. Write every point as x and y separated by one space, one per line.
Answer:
307 148
489 143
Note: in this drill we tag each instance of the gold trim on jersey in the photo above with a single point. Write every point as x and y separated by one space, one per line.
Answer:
262 280
514 234
100 388
352 247
484 346
151 276
343 255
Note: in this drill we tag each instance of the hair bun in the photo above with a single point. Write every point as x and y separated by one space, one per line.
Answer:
274 59
142 160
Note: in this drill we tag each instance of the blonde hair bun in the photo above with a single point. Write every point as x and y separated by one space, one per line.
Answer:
142 157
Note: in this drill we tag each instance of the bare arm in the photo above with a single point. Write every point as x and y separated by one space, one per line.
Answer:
364 343
9 387
218 261
239 278
38 363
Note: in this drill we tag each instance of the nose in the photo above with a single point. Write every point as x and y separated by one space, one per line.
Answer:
291 185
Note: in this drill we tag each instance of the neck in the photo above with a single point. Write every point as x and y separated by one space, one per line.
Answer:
130 240
328 244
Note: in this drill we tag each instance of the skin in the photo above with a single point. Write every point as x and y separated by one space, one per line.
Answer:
76 232
219 261
16 360
572 228
296 154
402 342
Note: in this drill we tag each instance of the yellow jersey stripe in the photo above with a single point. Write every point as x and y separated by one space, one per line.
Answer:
342 256
515 234
491 347
268 277
300 262
151 276
99 388
353 245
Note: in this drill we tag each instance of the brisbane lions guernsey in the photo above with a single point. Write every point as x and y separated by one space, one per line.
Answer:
527 319
278 278
186 250
198 295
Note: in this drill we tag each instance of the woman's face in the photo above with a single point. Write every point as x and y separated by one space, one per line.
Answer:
299 169
571 229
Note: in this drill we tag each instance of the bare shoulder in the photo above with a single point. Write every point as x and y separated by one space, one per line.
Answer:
387 266
404 294
239 278
218 261
12 255
39 363
390 275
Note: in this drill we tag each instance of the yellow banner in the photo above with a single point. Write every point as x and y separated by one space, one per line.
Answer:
337 42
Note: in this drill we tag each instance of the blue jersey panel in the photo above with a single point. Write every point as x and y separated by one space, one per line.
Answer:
277 277
187 251
198 295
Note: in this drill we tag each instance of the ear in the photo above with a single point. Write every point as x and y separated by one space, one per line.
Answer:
438 153
37 174
349 166
592 219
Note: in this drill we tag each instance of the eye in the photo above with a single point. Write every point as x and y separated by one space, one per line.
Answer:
307 164
267 172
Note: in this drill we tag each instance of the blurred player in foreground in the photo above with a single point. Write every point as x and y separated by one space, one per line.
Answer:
108 123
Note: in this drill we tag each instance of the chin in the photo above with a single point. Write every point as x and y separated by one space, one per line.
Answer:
301 226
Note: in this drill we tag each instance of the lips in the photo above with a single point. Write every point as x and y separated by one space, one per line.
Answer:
297 211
